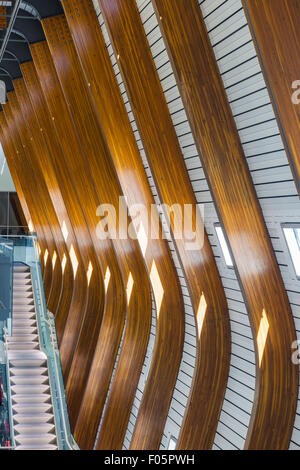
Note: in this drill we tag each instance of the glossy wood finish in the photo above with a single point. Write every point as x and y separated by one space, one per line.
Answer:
130 261
118 133
33 198
275 29
82 323
234 193
35 152
84 351
39 157
173 184
68 295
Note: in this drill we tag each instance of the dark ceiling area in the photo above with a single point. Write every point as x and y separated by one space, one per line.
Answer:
22 29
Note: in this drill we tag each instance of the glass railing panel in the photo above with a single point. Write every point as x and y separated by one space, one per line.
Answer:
6 284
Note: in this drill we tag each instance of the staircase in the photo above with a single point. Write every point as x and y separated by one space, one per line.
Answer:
33 419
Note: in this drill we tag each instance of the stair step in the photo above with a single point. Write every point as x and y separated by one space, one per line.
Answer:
23 305
24 371
30 389
20 268
26 355
38 439
21 330
24 309
36 447
32 418
31 408
18 338
27 362
34 398
29 379
22 293
23 323
30 345
35 428
22 290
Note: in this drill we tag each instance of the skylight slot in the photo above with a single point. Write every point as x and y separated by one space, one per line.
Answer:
224 246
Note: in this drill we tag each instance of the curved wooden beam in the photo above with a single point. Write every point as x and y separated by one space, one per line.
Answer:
275 30
34 201
44 178
227 171
84 352
127 251
76 352
173 184
115 124
33 147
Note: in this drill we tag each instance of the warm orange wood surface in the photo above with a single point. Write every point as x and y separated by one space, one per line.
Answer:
79 353
139 310
116 127
89 334
33 198
35 151
234 193
68 296
40 164
275 27
98 167
173 184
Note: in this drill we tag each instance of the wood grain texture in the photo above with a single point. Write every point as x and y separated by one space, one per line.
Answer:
110 107
81 340
275 29
34 200
35 152
227 171
173 184
97 167
68 296
46 180
84 352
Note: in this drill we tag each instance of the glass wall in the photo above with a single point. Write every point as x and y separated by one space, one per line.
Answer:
12 220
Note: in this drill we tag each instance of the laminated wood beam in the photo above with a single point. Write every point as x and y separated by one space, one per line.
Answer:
275 29
174 187
233 190
115 125
34 201
92 162
81 322
68 205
